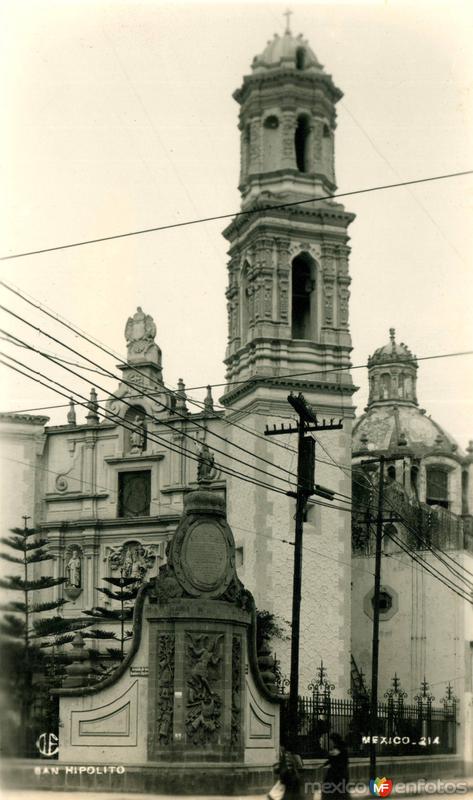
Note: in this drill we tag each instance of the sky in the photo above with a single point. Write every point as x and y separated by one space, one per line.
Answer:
119 116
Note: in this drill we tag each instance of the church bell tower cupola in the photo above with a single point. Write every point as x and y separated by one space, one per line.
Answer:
392 373
287 122
288 293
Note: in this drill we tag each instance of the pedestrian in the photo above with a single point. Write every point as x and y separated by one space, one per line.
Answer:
336 778
290 777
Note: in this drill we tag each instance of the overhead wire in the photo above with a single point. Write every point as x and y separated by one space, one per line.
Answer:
393 508
252 211
131 427
110 417
438 576
108 373
407 525
95 342
113 492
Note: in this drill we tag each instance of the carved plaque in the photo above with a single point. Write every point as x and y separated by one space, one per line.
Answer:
205 555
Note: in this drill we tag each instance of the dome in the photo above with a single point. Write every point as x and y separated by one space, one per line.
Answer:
385 428
287 50
391 352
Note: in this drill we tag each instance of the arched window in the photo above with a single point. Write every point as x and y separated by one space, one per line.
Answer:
300 58
385 386
415 480
301 142
437 486
271 144
247 144
400 385
326 131
303 297
392 472
408 387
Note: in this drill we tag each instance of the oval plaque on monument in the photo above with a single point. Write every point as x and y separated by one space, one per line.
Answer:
204 556
203 564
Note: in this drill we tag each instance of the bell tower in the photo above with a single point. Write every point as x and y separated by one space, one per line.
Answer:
288 292
288 297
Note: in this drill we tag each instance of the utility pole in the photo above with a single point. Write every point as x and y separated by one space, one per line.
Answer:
377 587
305 488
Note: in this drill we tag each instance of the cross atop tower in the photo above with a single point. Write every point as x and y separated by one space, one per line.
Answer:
288 14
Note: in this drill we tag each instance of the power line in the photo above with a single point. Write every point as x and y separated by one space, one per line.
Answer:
111 418
438 576
161 386
80 333
407 525
413 555
144 394
53 357
153 437
109 352
259 210
156 502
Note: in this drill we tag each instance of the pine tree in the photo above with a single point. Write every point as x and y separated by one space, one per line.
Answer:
125 589
24 636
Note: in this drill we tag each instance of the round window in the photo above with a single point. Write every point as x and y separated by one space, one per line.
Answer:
385 602
271 122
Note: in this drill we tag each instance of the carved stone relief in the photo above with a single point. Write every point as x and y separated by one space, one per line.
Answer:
268 296
343 296
203 662
328 303
236 721
132 559
165 693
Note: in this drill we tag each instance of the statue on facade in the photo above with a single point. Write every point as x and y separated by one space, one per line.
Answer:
73 570
206 469
137 436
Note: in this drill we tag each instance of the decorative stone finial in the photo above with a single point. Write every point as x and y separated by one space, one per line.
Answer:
181 397
469 449
140 332
392 335
71 414
208 402
288 15
92 417
80 668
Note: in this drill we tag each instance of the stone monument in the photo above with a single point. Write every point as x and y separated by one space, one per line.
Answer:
187 711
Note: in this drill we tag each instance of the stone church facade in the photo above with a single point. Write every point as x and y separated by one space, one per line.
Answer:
108 489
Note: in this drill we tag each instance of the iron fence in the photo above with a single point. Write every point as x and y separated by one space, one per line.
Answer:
400 728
